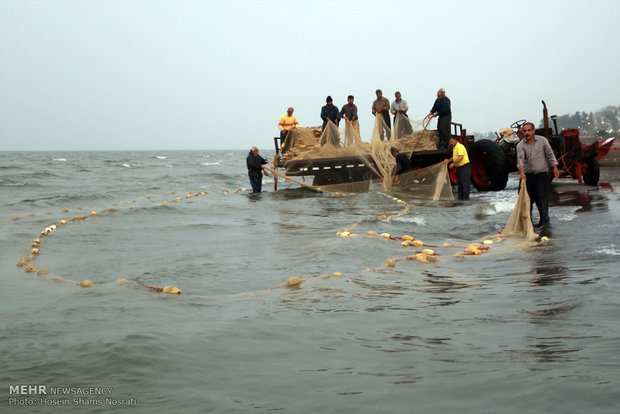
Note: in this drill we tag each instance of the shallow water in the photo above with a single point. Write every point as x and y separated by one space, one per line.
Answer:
513 330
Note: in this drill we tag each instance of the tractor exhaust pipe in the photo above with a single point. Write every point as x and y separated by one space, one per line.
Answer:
545 119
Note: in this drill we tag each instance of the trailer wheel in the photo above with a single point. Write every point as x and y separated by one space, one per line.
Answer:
488 166
593 171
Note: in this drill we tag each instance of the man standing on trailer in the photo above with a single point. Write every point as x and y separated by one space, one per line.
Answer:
349 112
399 105
534 159
287 122
329 112
381 106
255 169
442 109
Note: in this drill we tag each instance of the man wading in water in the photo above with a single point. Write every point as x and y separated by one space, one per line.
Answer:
255 169
534 159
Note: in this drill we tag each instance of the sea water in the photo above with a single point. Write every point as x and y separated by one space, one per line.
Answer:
513 330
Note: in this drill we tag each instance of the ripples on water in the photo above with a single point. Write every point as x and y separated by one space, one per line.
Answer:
515 330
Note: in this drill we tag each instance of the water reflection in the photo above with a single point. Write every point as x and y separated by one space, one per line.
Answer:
551 350
550 309
547 274
587 199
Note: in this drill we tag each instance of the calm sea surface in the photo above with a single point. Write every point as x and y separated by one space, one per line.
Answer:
515 330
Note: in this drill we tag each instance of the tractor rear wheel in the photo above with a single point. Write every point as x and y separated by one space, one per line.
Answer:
488 166
593 171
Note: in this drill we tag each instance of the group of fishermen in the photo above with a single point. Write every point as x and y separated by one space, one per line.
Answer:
535 156
380 107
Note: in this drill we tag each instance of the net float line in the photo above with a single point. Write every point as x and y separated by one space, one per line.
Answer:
36 245
403 212
115 204
68 210
294 282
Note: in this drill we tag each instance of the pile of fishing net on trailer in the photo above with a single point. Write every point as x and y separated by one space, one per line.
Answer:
350 165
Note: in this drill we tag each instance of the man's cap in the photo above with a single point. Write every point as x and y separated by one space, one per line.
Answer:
329 99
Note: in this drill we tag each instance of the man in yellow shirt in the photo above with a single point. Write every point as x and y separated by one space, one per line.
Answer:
460 161
287 121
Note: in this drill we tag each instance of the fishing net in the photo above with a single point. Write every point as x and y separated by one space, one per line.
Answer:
335 161
520 221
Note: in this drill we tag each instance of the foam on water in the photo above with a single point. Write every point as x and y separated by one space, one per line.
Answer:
610 250
418 220
567 217
211 163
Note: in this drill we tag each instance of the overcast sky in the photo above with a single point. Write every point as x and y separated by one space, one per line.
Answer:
182 74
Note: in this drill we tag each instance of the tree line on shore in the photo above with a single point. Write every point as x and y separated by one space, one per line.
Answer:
603 123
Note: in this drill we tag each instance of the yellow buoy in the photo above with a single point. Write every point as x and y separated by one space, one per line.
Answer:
428 252
293 281
86 283
121 281
31 269
373 233
59 279
35 251
407 237
43 272
337 274
417 243
345 234
172 290
406 243
390 262
386 235
421 258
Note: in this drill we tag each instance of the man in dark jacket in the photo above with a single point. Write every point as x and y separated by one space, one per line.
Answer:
403 164
255 169
442 109
330 112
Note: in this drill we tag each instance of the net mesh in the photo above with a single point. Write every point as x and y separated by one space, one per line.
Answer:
344 163
520 221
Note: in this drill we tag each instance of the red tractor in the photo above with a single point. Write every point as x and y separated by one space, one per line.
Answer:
492 161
